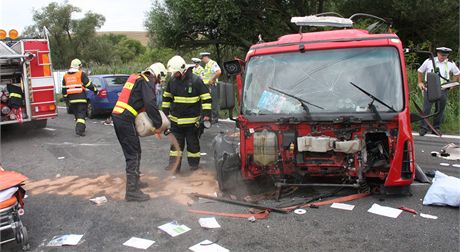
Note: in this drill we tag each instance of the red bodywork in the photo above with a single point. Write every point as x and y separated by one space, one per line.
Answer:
400 144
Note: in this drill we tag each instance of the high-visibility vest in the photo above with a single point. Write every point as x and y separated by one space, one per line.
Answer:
198 71
207 72
122 103
73 83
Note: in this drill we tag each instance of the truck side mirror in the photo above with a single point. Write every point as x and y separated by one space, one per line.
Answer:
433 85
226 95
232 67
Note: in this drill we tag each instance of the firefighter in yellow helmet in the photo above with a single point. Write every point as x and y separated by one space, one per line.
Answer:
74 84
186 100
136 96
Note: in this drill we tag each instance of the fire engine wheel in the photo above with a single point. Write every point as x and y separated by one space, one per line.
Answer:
90 110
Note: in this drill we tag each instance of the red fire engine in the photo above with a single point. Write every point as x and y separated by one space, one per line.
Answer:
26 81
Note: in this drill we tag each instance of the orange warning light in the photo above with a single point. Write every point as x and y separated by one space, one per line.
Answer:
13 34
2 34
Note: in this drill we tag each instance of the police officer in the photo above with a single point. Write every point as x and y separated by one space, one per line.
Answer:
445 68
197 69
137 95
74 84
186 100
211 74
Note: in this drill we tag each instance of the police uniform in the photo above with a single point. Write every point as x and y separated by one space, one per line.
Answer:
197 69
445 68
185 101
136 96
74 84
209 70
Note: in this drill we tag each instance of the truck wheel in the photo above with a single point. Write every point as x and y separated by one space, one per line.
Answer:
90 111
228 171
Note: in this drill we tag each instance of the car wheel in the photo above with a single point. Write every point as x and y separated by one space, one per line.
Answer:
90 110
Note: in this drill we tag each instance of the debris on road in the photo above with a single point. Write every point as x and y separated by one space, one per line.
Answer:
456 165
409 210
174 229
444 164
258 216
328 202
58 175
428 216
208 246
60 158
343 206
240 203
300 211
252 219
49 129
139 243
445 190
65 240
99 200
209 222
385 211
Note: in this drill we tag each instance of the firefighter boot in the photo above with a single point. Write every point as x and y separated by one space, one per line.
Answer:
133 192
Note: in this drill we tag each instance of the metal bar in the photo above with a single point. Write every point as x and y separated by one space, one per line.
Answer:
317 184
240 203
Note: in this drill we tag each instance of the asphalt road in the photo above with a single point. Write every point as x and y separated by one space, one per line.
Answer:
66 170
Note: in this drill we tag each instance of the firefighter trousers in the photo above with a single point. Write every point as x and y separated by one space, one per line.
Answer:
186 135
130 144
79 111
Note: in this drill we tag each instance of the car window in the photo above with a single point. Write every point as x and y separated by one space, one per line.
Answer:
96 82
116 81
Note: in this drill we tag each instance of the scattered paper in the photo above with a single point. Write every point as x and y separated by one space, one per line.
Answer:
58 175
252 219
138 243
203 154
444 164
209 222
208 246
456 165
385 211
435 153
99 200
60 158
65 240
174 229
428 216
300 211
343 206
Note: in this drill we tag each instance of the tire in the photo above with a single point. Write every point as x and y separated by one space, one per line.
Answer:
90 111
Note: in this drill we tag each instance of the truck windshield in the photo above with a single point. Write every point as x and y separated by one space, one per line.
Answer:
323 78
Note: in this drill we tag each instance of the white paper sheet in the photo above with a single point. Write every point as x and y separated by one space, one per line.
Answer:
210 222
385 211
208 246
65 240
343 206
138 243
174 229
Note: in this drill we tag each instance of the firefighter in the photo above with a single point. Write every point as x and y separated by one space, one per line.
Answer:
136 96
74 84
187 101
197 69
15 93
211 74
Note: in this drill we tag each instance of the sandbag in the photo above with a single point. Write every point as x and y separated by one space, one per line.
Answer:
144 126
445 190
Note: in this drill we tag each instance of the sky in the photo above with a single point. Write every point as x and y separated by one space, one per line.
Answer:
120 15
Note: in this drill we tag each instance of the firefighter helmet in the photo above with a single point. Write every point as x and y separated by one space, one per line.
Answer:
177 64
157 69
76 63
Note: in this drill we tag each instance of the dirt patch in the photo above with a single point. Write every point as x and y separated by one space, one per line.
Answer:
113 186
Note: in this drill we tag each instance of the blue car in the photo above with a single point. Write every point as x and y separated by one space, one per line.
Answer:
109 87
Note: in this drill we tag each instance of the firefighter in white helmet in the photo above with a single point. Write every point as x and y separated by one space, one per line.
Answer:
187 102
137 95
74 84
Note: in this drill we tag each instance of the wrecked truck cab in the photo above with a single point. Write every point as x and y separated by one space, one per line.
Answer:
330 104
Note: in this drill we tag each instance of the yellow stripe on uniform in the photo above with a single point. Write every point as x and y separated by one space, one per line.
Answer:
87 84
175 153
165 104
180 121
78 101
79 120
167 94
128 85
182 99
126 106
15 95
195 155
206 106
205 96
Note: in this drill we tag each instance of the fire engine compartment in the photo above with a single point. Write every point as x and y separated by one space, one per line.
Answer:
356 152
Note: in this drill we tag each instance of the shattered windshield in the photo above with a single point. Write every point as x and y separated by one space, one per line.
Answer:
323 78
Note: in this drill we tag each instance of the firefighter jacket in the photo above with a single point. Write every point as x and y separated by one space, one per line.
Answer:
137 95
16 96
186 100
74 85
